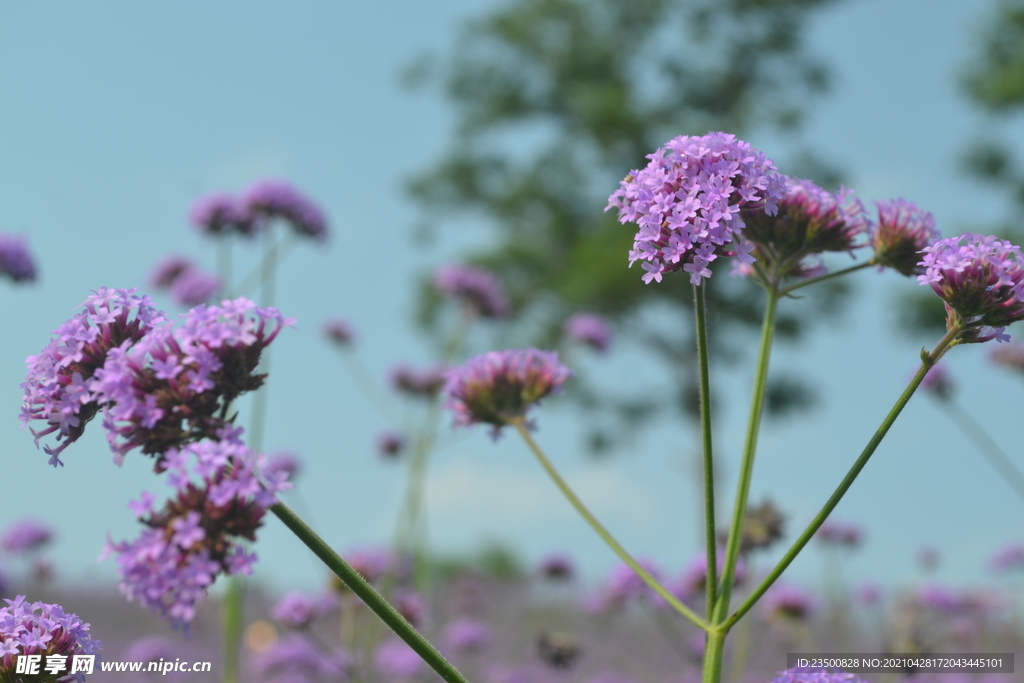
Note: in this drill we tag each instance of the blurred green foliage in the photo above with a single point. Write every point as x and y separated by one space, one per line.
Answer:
557 100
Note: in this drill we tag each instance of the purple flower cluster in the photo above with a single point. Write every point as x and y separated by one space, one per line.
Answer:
263 201
589 329
15 260
687 203
390 444
840 534
189 284
557 567
222 214
173 386
425 383
980 279
59 387
806 675
295 610
788 601
397 661
1008 558
500 386
46 630
467 635
25 535
221 496
810 221
939 382
339 331
478 289
902 233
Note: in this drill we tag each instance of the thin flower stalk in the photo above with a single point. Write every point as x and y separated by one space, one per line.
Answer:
995 455
827 276
700 312
520 425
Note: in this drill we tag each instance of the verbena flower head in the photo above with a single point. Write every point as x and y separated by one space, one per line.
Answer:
339 332
424 383
194 287
840 534
939 382
467 635
788 601
810 221
48 631
59 387
273 198
980 279
171 387
902 233
1008 558
221 495
390 444
25 535
169 269
295 610
15 260
589 329
809 675
221 214
687 203
478 289
500 386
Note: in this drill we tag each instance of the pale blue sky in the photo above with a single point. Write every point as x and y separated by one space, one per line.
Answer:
116 117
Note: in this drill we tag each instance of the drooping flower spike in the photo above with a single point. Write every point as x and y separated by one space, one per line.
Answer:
981 279
52 637
498 387
222 492
174 386
902 233
687 203
810 221
59 387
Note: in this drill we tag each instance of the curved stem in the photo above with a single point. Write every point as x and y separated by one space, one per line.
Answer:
827 276
927 361
732 550
574 500
374 600
232 627
995 455
700 314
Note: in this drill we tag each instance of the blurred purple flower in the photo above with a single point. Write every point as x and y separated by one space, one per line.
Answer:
194 287
788 601
396 660
221 497
1009 355
222 214
837 533
168 269
939 597
467 635
939 382
273 198
928 557
425 383
151 649
59 386
558 567
869 594
42 629
902 233
390 444
624 585
476 288
1008 558
589 329
981 279
339 332
411 606
294 659
687 200
15 260
693 580
25 535
283 461
500 386
371 563
295 610
806 675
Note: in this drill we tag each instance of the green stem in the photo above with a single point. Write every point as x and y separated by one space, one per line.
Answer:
988 447
714 650
827 276
365 592
254 277
232 627
701 323
573 499
732 550
928 360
